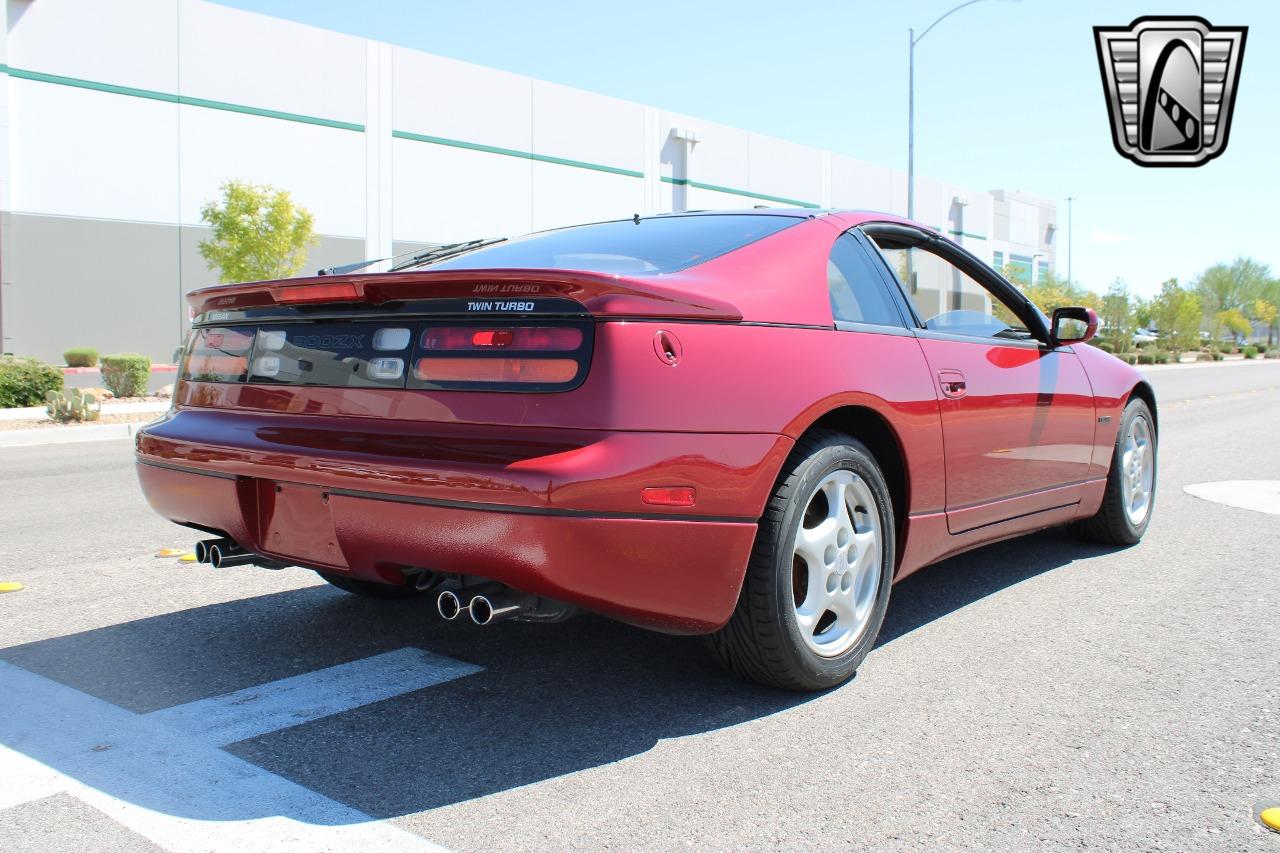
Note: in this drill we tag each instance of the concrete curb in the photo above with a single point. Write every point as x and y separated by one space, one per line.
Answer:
31 413
68 434
155 368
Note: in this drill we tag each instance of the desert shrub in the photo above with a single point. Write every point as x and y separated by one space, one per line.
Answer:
25 381
126 374
1105 346
1217 355
81 357
1262 348
1146 358
72 405
1250 352
1204 356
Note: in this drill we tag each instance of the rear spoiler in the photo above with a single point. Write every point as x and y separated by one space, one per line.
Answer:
599 294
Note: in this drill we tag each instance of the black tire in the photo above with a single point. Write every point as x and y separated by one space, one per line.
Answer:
369 589
1112 525
762 640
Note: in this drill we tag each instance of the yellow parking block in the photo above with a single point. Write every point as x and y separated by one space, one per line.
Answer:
187 558
10 586
1270 818
170 552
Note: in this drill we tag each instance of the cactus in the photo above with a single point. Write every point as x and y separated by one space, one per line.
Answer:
72 405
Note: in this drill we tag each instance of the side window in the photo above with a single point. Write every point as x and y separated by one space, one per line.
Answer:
857 293
947 299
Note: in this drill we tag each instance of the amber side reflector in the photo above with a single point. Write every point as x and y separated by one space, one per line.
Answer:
533 370
668 495
340 292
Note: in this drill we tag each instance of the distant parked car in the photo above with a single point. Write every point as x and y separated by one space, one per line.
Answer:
1145 336
745 425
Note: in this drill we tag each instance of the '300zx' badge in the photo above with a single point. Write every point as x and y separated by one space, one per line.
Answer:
1170 84
329 341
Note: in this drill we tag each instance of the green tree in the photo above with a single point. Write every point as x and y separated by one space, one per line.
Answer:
1266 312
1117 316
1231 287
258 233
1177 313
1234 321
1051 292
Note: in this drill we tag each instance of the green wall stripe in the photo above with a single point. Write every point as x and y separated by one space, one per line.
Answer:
686 182
511 152
967 234
168 98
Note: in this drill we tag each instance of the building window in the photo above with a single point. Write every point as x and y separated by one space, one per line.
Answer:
1042 270
1020 269
997 262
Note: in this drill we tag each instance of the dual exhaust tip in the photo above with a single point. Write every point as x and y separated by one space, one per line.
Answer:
485 605
224 553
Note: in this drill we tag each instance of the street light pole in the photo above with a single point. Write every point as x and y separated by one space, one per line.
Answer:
911 125
913 40
1069 200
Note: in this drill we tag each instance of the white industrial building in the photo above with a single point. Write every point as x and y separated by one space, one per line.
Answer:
118 120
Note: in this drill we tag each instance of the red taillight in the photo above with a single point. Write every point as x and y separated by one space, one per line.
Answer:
668 495
494 338
531 370
524 338
338 292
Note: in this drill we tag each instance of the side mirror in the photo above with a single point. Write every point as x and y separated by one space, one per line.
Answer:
1074 325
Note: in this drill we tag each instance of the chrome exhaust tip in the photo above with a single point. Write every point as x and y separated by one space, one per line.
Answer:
223 557
204 545
449 605
480 610
488 607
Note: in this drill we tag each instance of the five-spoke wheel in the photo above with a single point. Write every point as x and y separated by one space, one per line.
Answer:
818 581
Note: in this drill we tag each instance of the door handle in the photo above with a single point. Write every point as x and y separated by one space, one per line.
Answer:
952 383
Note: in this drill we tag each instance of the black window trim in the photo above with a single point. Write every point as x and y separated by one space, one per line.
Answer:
905 320
1017 302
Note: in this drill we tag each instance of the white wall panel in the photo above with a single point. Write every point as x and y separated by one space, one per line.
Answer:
254 60
785 169
444 194
580 125
128 44
720 157
436 96
564 195
700 199
84 153
324 168
859 185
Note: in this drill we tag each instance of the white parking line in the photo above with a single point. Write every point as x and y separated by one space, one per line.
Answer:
1257 495
255 711
181 791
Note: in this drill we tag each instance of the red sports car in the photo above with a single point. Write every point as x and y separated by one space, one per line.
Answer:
745 425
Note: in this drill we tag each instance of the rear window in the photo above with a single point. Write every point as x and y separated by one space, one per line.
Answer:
661 244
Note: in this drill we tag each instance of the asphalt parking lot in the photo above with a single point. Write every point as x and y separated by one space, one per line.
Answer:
1035 694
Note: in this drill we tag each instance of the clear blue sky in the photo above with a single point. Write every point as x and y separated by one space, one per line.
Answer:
1007 96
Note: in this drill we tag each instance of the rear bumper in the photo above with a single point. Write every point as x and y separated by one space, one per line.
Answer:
555 513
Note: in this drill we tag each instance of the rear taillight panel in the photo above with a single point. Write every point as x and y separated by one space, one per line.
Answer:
503 357
464 355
